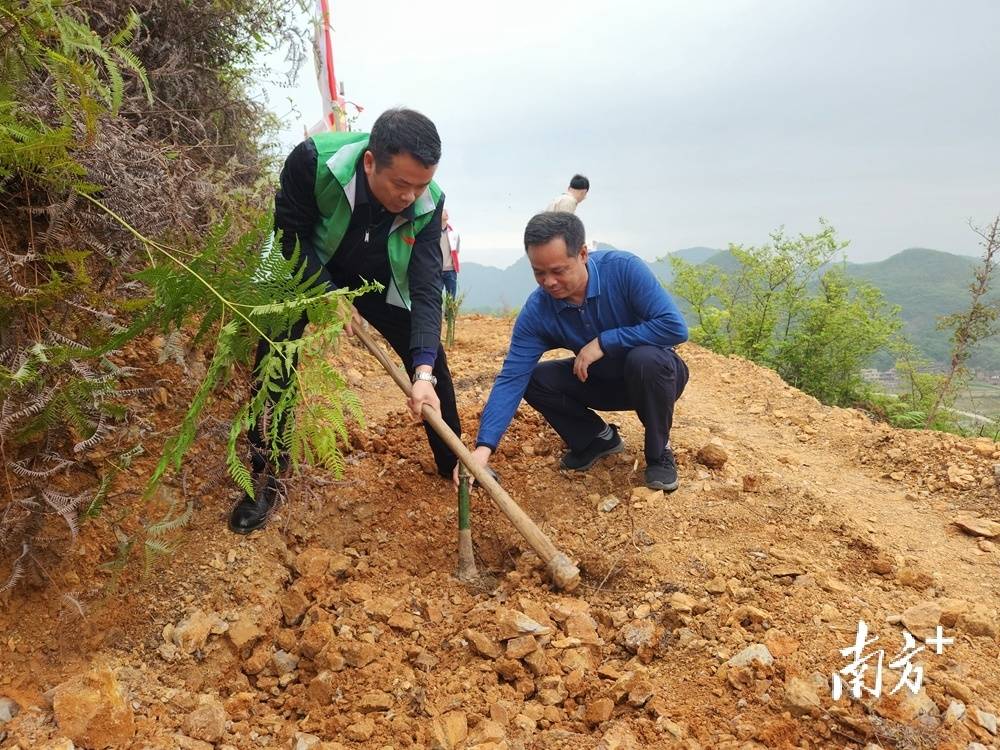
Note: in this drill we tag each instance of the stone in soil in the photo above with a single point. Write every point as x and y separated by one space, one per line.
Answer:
521 646
598 711
191 634
207 722
712 455
8 709
482 644
755 653
801 698
514 624
376 700
608 504
360 731
977 526
92 711
449 731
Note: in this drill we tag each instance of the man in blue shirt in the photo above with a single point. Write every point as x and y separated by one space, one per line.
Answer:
609 308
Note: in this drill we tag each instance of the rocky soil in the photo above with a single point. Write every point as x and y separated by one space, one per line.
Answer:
713 617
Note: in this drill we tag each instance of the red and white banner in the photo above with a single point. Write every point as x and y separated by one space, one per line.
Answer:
334 112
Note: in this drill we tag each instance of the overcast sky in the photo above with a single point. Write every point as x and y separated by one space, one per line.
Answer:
698 123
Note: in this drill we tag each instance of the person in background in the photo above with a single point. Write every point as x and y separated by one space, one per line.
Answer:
451 242
575 194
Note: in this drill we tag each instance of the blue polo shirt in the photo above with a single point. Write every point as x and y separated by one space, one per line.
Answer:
625 307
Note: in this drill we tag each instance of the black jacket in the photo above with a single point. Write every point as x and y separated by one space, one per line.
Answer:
363 252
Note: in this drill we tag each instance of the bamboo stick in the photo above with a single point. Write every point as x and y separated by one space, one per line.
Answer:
562 572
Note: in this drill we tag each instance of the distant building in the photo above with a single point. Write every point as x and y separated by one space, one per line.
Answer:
882 377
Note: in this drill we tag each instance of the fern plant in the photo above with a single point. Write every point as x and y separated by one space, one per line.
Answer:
46 44
69 302
244 292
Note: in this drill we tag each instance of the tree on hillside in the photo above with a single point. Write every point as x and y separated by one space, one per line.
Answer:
785 307
976 323
838 330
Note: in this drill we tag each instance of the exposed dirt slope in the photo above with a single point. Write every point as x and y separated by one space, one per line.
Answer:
343 624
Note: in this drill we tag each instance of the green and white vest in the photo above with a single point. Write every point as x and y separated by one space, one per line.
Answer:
336 183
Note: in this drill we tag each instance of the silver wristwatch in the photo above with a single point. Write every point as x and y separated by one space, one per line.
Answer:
425 376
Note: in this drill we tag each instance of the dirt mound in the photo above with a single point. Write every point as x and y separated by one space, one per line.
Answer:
714 617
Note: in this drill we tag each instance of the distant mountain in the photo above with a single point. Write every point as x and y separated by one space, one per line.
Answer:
926 284
696 254
495 290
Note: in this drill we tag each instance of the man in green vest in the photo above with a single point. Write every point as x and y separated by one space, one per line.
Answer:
364 207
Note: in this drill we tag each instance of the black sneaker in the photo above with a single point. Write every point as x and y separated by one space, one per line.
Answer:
597 448
662 475
251 513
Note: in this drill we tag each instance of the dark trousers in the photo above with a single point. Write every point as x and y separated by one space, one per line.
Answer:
394 324
450 279
647 380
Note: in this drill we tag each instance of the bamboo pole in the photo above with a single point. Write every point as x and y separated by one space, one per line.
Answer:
466 557
562 572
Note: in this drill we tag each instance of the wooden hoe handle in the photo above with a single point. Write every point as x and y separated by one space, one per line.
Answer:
563 573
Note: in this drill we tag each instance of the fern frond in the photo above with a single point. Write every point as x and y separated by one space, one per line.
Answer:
167 524
153 550
130 392
65 507
58 338
24 472
124 36
125 459
100 433
131 61
17 569
96 503
40 402
237 469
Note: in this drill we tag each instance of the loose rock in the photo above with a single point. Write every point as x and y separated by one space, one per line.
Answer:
376 700
986 720
92 711
608 504
922 619
482 644
598 711
449 731
191 633
514 624
8 709
712 455
208 721
360 731
521 646
978 526
756 653
801 698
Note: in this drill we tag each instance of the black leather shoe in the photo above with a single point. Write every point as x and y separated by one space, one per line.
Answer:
663 474
597 448
251 513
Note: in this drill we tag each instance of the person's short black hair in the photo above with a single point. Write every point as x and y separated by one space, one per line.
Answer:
579 182
548 225
402 130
